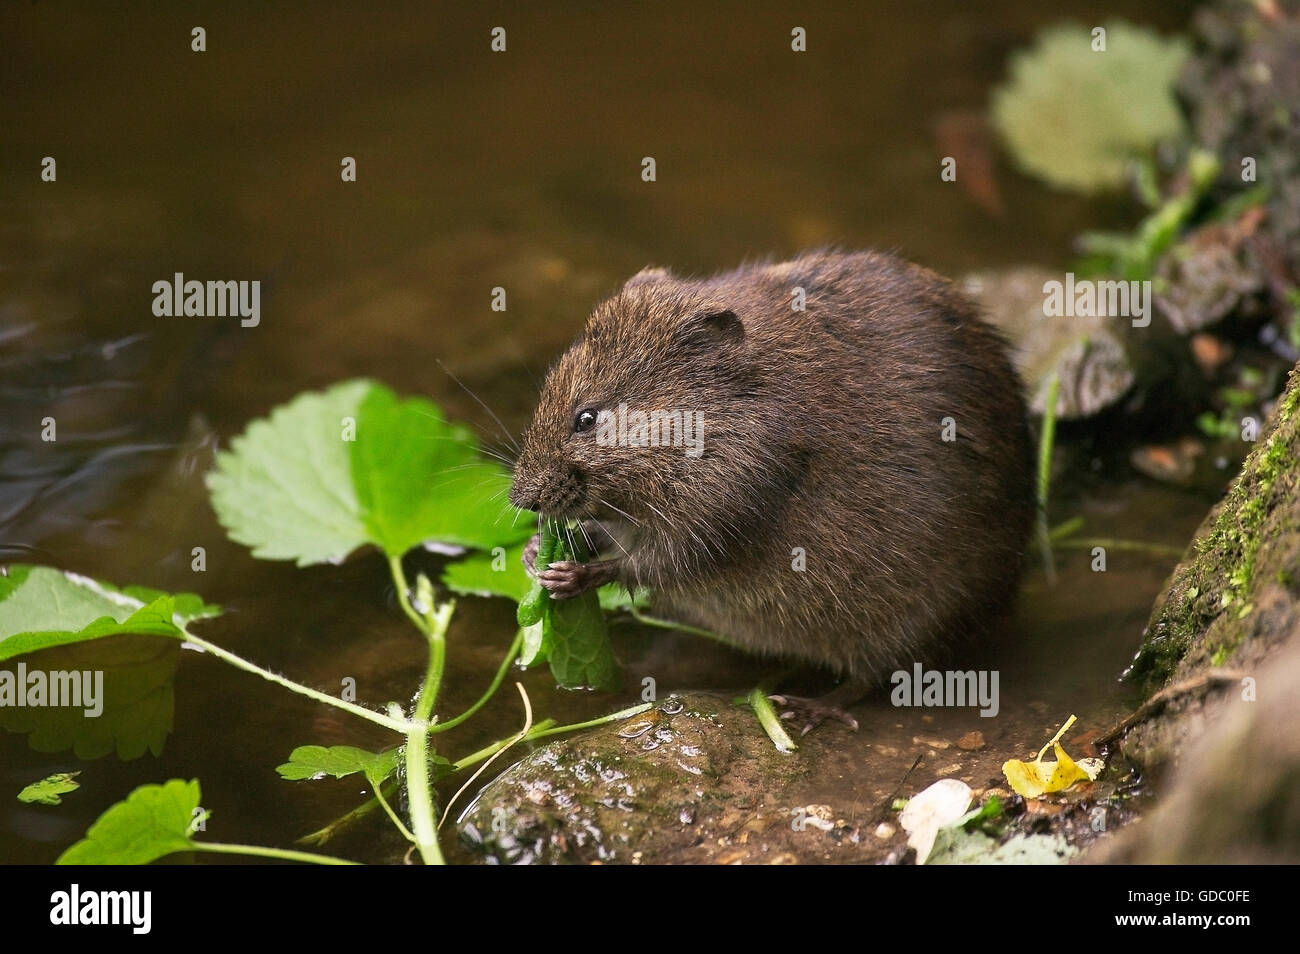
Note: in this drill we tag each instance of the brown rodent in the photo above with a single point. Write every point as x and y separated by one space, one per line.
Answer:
823 434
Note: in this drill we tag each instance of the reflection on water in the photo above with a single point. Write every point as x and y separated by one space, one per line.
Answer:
475 170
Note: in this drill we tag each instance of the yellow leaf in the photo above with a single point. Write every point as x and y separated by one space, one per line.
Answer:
1025 777
1035 778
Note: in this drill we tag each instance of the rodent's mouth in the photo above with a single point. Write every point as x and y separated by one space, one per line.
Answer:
564 514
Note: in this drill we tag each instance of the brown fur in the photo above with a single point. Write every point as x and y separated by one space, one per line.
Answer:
822 430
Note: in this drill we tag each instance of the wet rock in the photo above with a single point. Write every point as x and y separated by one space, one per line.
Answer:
1213 273
692 780
1236 797
1169 463
1089 355
1243 88
1233 601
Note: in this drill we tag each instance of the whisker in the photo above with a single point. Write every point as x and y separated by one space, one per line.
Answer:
603 502
611 536
509 437
591 547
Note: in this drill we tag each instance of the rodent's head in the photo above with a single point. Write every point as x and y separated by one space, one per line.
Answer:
659 347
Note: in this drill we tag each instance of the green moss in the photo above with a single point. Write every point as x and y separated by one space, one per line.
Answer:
1221 576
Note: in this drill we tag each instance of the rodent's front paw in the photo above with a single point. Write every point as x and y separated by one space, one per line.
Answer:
565 579
530 553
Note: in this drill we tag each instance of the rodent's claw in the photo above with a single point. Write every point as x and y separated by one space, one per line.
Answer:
530 553
564 580
812 712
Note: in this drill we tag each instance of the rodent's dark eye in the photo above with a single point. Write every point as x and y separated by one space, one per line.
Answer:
584 421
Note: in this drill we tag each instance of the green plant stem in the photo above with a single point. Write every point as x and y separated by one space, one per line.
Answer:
1110 543
540 733
545 728
768 719
662 623
403 593
511 655
321 835
419 792
388 722
1045 442
433 623
419 789
284 854
392 815
1065 529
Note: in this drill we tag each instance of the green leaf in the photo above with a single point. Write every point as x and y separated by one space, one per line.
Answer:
152 822
420 479
335 470
1076 117
502 574
574 636
136 704
616 596
571 634
988 818
578 639
316 761
487 573
41 607
536 646
48 790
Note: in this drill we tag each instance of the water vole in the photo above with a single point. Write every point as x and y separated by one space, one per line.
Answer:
823 515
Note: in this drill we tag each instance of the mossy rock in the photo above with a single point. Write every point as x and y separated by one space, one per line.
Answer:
1235 597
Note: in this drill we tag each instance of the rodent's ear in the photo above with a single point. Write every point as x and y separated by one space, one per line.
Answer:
710 327
646 276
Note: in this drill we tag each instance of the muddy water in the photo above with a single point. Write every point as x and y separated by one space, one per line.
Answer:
474 170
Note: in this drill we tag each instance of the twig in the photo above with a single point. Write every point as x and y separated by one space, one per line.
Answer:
1149 708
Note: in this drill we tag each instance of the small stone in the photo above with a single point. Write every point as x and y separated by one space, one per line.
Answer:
971 741
885 831
1211 353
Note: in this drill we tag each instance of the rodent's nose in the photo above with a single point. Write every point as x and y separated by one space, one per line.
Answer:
550 491
524 498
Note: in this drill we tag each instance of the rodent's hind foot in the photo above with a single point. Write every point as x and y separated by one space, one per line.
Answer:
568 578
813 712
